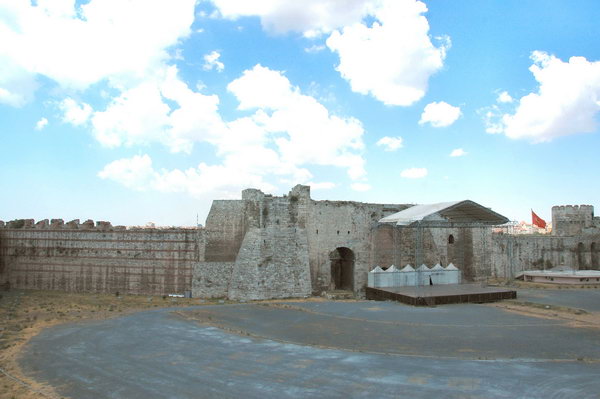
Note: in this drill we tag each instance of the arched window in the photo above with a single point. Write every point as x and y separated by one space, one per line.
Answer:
450 239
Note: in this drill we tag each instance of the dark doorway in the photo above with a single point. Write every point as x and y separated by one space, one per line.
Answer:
594 249
342 269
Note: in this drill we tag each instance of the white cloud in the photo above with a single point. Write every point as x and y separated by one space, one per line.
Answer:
287 132
17 84
284 118
163 110
77 46
360 186
75 113
459 152
492 118
178 55
57 8
390 143
311 135
211 61
439 114
138 173
504 98
113 42
261 87
390 58
566 103
41 124
309 17
315 48
200 85
394 58
414 173
137 116
135 173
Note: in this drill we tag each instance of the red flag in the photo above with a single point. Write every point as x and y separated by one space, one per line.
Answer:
537 221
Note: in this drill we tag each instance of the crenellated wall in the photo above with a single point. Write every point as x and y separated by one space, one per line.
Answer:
512 254
264 246
96 258
570 220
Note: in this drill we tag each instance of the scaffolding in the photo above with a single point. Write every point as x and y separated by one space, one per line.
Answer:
482 228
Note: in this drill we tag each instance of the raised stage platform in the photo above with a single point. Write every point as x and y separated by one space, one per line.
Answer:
431 295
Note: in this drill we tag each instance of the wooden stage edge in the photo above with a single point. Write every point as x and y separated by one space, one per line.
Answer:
431 295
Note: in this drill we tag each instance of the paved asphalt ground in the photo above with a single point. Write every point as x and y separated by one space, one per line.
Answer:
320 349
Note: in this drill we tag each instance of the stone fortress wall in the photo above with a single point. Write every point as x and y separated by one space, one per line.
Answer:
574 243
265 246
284 246
571 220
88 257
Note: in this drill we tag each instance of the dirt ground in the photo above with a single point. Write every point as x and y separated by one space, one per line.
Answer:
24 313
574 317
543 286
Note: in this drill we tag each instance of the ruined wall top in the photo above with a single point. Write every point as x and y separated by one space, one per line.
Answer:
573 209
573 213
253 194
75 224
297 192
572 219
300 191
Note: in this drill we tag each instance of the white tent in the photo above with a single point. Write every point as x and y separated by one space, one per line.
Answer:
453 274
408 268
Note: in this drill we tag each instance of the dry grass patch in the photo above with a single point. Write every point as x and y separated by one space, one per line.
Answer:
573 317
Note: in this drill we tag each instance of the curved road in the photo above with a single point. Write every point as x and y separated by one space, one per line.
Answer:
431 352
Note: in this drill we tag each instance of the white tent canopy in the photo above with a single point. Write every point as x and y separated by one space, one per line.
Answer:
446 212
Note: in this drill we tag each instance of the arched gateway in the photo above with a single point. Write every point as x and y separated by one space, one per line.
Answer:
342 269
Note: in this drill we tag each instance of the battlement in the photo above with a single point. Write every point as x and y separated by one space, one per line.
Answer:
573 212
75 224
568 209
297 192
572 219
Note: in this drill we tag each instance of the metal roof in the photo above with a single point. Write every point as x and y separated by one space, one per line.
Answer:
446 212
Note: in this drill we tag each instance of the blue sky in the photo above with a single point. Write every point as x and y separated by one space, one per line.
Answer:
136 112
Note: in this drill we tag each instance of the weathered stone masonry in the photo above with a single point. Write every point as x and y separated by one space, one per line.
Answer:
574 243
264 246
87 258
